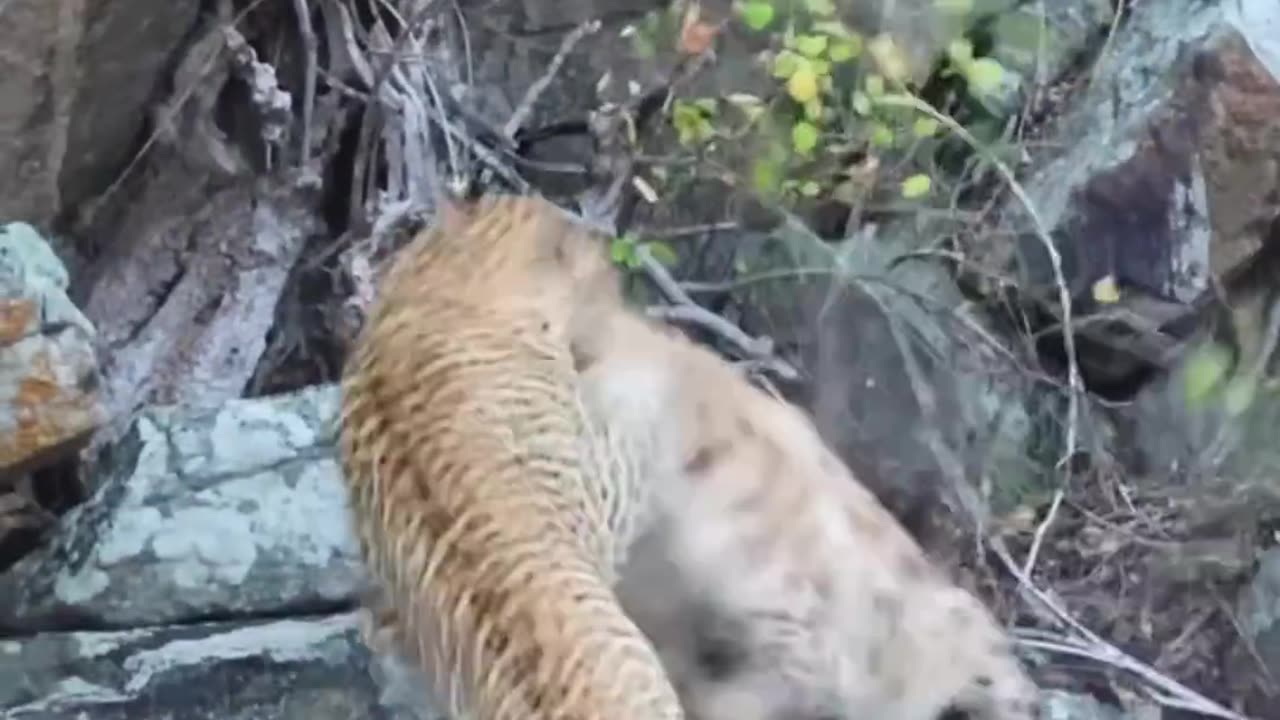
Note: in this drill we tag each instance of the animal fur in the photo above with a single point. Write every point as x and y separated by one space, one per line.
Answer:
773 583
501 485
472 489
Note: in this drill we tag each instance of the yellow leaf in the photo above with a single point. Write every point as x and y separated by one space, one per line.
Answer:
924 127
803 84
888 57
916 186
1105 290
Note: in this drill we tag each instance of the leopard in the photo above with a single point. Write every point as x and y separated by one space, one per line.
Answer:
490 534
646 535
773 583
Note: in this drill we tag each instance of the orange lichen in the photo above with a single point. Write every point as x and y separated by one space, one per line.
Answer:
15 318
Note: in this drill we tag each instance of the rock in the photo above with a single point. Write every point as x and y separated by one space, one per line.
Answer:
293 669
1171 158
74 82
866 397
1259 612
1061 705
185 301
238 511
49 400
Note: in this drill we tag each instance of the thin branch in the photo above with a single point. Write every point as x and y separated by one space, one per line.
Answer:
308 36
1163 689
1030 563
685 309
522 111
1042 233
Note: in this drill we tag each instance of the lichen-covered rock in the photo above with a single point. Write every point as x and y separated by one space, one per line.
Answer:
293 669
235 512
49 401
1060 705
1162 173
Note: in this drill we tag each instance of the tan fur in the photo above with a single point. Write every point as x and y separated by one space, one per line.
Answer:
831 608
495 508
478 506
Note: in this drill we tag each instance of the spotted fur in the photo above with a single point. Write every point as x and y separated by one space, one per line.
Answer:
785 590
475 499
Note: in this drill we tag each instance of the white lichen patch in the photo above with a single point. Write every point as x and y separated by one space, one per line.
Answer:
80 587
209 544
283 641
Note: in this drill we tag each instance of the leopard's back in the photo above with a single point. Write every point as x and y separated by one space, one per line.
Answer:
463 445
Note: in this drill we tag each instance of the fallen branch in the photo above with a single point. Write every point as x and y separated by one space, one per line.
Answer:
1161 689
684 309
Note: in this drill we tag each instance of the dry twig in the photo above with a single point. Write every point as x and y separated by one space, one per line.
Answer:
522 111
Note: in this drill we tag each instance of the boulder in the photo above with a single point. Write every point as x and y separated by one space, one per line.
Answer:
234 512
74 81
291 669
49 377
1161 175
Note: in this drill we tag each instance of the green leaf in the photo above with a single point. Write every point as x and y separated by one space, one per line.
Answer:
663 253
765 176
810 189
984 75
916 186
804 137
813 110
881 135
960 51
845 50
820 7
834 28
812 45
924 127
786 63
757 14
621 250
1206 367
875 85
861 103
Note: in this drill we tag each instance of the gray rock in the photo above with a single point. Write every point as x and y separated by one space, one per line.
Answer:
864 394
1259 611
184 306
1061 705
1164 178
49 402
235 512
303 669
73 85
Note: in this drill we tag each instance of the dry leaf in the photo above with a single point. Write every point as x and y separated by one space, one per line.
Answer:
696 36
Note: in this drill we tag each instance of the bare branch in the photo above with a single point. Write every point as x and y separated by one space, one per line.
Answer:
522 111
